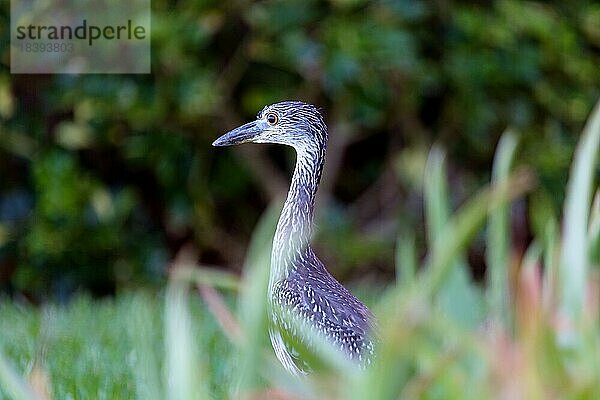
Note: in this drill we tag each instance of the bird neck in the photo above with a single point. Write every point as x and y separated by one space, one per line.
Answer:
294 229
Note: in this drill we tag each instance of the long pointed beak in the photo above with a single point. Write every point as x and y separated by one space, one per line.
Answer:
242 134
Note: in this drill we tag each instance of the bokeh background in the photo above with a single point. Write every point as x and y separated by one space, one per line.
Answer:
103 178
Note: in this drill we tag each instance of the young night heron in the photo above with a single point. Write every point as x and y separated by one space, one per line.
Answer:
299 284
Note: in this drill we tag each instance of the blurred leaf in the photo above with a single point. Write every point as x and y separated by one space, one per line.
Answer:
252 307
10 380
183 373
406 259
573 269
4 235
457 295
73 136
146 366
17 142
463 226
594 231
550 237
210 277
7 102
498 240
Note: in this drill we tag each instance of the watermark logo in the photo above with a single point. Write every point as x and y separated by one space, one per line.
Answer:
80 36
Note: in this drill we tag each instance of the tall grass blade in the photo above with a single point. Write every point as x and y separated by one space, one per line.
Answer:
457 295
328 354
437 205
529 322
183 373
147 367
574 258
253 301
594 231
202 275
498 236
13 384
406 258
550 277
531 259
463 226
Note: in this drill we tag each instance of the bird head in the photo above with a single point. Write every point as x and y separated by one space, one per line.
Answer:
292 123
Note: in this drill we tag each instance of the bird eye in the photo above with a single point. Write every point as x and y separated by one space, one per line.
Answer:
272 118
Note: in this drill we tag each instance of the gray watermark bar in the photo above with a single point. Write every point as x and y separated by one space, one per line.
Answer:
80 36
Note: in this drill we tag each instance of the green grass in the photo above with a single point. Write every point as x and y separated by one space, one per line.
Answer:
92 349
533 333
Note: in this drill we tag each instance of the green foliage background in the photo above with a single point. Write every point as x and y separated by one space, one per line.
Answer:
104 177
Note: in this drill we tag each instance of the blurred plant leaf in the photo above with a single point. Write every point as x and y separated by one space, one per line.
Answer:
147 368
461 228
574 263
184 374
252 307
406 259
74 136
457 296
498 237
12 382
594 231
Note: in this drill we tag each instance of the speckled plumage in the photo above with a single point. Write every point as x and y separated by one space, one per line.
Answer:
299 284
